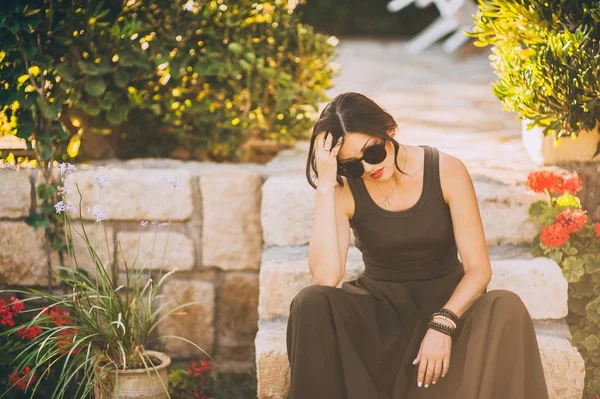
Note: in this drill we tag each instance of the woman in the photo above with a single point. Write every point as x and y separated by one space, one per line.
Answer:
418 322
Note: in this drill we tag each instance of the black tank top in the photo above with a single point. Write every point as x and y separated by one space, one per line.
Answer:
413 244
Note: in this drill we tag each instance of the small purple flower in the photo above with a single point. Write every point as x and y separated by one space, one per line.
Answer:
98 213
101 180
66 169
144 223
62 206
173 182
64 190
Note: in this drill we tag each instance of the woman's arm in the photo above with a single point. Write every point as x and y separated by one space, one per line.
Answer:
459 193
330 237
433 357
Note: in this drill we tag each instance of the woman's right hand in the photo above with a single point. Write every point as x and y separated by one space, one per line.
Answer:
326 161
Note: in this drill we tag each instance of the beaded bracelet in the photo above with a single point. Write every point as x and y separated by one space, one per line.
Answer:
441 328
453 324
450 314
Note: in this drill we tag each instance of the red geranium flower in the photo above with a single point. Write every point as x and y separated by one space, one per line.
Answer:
571 183
554 235
23 379
573 221
8 310
66 340
597 229
29 333
196 369
542 180
555 182
58 316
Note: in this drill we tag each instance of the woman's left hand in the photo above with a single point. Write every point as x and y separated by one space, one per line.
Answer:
433 357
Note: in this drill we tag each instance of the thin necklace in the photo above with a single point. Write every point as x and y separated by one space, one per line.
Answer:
387 196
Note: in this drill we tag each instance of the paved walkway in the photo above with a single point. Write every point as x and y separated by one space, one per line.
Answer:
436 99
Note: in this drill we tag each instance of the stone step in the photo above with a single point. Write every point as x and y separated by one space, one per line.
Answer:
563 365
288 204
538 281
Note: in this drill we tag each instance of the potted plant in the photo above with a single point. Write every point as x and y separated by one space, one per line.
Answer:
99 330
546 56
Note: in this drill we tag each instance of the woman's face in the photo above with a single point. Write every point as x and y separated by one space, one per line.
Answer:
353 147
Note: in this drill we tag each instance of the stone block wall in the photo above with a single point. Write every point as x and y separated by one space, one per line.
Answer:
214 241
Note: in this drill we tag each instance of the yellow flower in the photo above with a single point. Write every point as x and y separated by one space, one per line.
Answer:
568 200
34 70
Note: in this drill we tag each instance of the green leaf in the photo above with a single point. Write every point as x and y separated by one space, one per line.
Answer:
91 108
49 111
117 114
109 99
121 78
43 149
592 263
24 128
91 69
577 305
592 310
37 221
592 343
573 269
582 289
65 73
94 86
537 208
555 254
235 48
569 249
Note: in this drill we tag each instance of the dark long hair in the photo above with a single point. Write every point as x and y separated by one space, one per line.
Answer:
351 112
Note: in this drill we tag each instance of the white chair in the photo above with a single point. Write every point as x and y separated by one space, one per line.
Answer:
455 16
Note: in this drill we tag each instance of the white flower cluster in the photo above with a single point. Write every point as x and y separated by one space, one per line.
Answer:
98 213
62 206
66 169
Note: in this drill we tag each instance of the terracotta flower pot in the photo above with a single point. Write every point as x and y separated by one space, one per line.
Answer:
149 383
542 152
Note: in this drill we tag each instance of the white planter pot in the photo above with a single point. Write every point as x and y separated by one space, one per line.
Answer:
135 384
542 152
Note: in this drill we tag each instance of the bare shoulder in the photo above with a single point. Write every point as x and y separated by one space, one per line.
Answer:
454 177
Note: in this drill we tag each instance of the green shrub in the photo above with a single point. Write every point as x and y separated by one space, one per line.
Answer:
203 76
570 238
546 54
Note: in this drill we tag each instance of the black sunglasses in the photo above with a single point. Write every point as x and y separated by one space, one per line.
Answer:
373 155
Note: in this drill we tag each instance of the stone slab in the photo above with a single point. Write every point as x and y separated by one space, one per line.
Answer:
288 209
238 315
563 365
194 323
135 194
179 252
539 282
15 200
22 256
231 229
